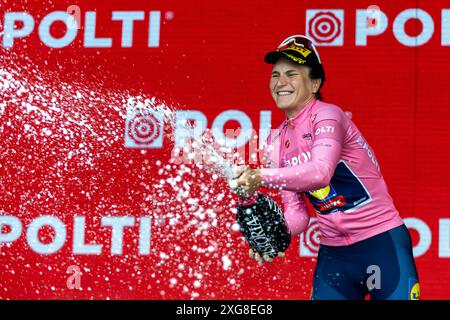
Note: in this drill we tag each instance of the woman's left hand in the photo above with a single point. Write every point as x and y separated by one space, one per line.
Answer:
249 181
265 258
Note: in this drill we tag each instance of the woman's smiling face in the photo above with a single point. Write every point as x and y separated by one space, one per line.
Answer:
291 87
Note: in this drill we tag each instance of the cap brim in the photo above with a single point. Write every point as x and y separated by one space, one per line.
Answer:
273 56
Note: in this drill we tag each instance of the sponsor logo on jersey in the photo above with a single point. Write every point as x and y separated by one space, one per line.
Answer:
324 129
301 158
414 289
307 136
344 193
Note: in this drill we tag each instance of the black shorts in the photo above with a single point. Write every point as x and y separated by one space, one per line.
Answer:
382 266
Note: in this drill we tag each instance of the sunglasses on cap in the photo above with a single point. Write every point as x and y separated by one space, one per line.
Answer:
299 41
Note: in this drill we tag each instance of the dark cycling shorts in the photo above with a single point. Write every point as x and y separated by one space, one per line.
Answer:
382 266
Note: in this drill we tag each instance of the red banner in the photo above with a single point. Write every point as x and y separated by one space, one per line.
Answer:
95 204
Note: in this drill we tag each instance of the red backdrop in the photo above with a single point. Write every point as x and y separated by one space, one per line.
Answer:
64 151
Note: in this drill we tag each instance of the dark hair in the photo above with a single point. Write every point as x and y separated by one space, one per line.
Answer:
317 73
318 95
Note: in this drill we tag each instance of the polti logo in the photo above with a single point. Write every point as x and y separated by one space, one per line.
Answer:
18 25
310 239
325 27
32 231
144 128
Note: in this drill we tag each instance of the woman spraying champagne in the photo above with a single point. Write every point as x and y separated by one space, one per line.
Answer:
320 156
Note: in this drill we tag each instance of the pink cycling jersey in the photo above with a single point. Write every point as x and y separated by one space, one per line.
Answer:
320 156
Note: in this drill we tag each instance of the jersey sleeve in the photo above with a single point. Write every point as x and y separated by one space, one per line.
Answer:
294 207
295 211
329 133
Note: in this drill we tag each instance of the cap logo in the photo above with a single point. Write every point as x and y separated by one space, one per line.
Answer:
296 59
302 50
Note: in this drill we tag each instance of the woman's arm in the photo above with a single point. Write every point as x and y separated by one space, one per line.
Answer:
312 175
329 131
295 211
329 134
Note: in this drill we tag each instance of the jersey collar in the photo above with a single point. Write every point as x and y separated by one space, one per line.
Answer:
293 121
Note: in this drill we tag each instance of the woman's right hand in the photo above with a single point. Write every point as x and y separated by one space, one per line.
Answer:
265 258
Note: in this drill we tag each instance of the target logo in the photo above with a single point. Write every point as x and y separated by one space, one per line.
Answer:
310 239
325 27
144 128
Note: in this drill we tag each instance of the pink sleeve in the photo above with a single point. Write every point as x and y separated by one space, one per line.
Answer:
329 135
294 207
295 211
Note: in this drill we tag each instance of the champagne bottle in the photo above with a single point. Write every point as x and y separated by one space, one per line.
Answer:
263 225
